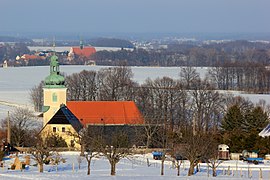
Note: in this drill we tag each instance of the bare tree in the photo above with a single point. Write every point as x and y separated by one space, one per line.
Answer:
115 83
213 163
36 96
114 144
162 100
40 153
151 128
23 124
90 142
164 144
189 76
118 148
196 146
82 86
211 156
207 106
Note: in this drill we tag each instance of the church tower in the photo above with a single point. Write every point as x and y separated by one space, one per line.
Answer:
54 91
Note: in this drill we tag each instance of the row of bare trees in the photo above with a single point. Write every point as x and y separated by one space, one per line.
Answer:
249 76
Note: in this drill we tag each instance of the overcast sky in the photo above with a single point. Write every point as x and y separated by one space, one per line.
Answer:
157 16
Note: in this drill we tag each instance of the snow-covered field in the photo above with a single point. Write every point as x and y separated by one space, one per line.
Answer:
133 168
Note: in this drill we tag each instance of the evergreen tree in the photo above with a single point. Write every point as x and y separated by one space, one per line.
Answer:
255 120
241 128
233 119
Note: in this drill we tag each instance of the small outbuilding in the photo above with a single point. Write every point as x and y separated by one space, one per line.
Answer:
223 152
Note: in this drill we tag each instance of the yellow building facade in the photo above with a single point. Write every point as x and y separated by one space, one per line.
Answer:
53 98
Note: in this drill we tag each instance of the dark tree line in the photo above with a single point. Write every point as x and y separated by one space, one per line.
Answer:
9 52
110 42
214 54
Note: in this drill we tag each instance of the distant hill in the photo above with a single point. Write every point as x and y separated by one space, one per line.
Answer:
15 39
110 42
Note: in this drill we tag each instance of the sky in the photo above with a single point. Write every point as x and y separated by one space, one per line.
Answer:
135 16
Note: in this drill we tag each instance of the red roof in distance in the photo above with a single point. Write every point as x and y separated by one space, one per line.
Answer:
30 57
85 51
106 112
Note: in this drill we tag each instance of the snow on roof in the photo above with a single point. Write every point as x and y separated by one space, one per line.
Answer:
265 132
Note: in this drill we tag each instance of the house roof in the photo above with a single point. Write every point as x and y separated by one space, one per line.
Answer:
85 51
106 112
265 132
31 57
65 116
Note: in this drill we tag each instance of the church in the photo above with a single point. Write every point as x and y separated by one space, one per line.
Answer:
67 118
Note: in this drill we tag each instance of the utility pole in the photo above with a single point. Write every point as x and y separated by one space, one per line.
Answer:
8 129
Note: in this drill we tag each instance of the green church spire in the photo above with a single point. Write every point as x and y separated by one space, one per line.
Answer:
54 80
81 44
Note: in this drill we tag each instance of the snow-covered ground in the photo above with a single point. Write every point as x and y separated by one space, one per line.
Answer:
133 168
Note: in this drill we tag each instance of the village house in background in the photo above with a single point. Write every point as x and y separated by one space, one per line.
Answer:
82 53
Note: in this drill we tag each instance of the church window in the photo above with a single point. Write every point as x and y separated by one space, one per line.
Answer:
54 129
54 97
63 129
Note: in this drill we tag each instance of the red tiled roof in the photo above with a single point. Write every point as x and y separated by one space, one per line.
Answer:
85 51
29 57
106 112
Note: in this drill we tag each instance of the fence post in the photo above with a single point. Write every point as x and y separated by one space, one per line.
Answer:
241 172
223 171
261 173
148 164
249 173
228 172
72 167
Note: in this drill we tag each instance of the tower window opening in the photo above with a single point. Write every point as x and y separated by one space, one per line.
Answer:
54 129
54 97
